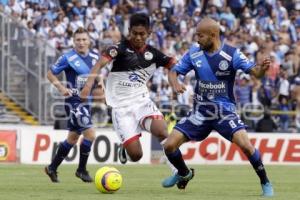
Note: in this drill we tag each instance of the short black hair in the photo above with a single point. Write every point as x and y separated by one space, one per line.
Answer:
139 19
80 30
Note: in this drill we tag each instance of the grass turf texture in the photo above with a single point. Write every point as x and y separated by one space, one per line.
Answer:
143 182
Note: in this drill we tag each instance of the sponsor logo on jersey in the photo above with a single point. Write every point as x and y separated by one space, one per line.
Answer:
198 63
73 57
128 84
133 77
148 55
212 86
197 54
220 73
77 63
223 65
211 89
226 56
113 53
80 81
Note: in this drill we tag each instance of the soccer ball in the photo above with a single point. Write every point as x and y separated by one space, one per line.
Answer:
108 179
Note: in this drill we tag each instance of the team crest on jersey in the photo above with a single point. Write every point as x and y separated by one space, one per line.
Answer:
148 55
113 53
223 65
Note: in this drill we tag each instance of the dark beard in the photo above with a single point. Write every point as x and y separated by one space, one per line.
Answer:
208 47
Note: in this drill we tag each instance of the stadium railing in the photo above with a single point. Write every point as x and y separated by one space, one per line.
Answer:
24 60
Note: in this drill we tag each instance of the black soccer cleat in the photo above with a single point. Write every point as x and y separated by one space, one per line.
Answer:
182 183
52 174
122 154
84 176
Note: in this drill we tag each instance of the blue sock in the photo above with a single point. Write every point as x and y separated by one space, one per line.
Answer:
85 149
63 150
258 166
176 159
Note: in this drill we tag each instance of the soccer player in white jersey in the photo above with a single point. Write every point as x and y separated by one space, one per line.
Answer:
134 62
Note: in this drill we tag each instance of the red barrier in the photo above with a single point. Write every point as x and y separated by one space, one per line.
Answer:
8 140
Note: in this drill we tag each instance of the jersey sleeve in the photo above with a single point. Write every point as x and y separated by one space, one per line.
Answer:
240 61
60 65
111 52
163 60
184 65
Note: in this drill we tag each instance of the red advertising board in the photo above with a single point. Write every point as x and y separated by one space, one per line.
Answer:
8 140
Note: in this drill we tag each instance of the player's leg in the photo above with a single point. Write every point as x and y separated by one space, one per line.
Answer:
156 125
241 139
133 148
173 153
62 152
189 128
85 148
127 128
233 129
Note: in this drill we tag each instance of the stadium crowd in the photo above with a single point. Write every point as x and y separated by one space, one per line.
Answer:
260 28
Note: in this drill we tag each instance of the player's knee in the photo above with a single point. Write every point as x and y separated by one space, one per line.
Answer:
169 147
136 156
91 138
248 149
162 136
72 141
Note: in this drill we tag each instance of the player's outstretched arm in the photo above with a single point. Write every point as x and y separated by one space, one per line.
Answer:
92 76
60 87
176 86
259 71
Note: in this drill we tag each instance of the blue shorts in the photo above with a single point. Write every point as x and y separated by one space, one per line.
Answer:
199 124
79 115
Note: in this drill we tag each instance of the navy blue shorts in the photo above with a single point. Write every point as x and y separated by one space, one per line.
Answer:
79 115
199 124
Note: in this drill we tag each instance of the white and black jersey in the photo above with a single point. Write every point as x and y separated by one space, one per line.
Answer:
131 69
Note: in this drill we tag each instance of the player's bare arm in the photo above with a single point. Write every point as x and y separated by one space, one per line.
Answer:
259 71
60 87
92 76
176 86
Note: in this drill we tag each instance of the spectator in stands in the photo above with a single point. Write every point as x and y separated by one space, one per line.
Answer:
266 124
243 90
284 118
263 28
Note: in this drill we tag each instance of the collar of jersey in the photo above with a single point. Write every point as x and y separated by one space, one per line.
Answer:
81 55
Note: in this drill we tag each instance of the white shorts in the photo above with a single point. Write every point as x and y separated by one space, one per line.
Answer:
128 121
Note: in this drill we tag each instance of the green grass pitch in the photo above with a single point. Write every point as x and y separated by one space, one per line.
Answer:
143 182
